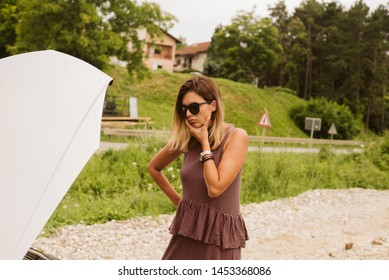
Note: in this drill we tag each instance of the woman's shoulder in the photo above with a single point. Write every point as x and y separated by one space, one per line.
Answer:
236 135
236 132
240 132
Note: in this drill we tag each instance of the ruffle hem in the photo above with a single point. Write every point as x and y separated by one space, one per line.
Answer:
208 224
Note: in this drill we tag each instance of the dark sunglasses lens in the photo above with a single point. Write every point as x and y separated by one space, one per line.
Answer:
194 108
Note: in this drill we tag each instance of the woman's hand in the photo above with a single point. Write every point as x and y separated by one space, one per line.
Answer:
200 133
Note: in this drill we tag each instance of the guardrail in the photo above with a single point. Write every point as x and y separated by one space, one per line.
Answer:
264 139
304 141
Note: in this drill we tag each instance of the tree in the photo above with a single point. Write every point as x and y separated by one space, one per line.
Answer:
8 22
308 12
329 49
296 54
245 51
293 37
92 30
355 56
378 50
281 20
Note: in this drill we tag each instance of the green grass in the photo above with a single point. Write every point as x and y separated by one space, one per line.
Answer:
276 175
115 185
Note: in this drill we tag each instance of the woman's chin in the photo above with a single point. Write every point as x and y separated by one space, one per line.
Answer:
195 124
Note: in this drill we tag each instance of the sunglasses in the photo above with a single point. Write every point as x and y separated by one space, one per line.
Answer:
194 108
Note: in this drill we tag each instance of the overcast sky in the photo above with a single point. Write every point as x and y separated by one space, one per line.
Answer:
199 18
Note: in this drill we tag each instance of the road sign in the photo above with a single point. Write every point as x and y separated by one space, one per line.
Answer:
265 120
312 124
332 129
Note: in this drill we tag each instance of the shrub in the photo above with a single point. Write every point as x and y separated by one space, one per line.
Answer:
378 152
329 112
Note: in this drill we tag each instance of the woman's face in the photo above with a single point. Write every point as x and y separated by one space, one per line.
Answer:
191 101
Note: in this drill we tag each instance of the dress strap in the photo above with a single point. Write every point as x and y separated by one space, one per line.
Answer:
229 130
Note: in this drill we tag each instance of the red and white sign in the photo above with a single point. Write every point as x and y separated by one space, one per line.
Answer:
265 120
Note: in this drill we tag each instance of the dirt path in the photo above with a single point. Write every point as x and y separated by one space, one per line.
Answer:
316 225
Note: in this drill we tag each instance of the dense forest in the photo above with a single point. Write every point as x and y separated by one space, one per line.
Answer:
320 50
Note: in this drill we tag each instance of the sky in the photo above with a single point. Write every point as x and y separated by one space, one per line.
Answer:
197 19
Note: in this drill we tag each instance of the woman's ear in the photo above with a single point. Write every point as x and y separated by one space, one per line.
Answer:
213 105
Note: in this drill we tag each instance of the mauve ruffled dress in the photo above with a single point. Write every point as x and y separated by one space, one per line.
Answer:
206 228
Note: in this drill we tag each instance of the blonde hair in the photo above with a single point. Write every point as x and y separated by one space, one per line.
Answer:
180 139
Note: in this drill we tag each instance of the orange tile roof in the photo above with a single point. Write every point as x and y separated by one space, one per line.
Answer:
194 48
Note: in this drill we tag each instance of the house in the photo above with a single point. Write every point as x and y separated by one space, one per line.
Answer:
160 53
191 57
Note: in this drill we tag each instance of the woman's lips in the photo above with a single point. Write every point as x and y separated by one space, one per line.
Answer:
192 122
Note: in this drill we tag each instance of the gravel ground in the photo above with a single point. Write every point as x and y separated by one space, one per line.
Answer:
316 225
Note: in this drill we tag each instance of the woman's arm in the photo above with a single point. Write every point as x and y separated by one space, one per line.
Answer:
219 178
162 159
235 150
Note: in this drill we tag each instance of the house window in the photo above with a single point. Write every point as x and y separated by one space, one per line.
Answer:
157 66
178 61
157 50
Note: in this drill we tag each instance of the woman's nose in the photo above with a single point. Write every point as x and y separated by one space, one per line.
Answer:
188 113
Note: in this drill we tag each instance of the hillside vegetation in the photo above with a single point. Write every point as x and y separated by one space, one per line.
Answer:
244 103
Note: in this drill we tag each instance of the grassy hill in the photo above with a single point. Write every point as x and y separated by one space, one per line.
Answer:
244 103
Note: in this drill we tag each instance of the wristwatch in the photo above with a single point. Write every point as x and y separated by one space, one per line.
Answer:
204 153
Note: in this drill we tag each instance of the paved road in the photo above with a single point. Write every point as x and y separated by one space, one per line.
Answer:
302 150
116 146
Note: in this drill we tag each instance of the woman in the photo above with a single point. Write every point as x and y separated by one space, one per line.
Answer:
208 224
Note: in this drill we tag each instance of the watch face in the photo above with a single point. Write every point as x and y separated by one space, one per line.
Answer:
202 154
